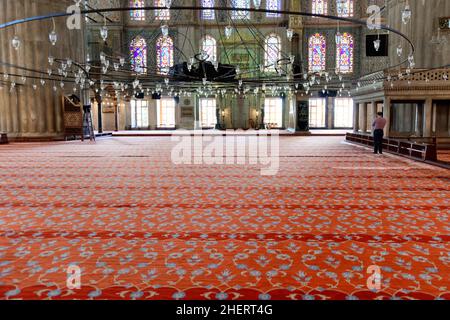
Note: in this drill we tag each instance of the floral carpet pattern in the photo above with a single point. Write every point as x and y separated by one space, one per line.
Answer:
140 227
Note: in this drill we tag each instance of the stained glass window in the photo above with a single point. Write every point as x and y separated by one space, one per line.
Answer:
138 50
164 54
239 14
137 15
272 52
320 6
273 5
345 8
209 46
161 14
344 53
317 53
208 14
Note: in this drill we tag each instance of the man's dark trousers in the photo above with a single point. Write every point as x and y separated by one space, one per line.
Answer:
378 140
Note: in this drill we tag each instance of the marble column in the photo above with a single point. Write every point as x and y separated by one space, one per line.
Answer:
355 116
387 115
26 113
363 117
428 117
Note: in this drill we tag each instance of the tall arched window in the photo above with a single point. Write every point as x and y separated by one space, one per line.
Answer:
137 15
344 53
209 46
273 5
272 52
164 54
344 8
138 50
320 6
208 14
161 14
239 14
317 53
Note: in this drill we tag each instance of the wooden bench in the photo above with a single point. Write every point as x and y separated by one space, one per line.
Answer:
3 138
412 149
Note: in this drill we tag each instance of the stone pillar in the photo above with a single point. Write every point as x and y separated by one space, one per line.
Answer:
355 116
27 113
363 117
428 117
387 115
373 112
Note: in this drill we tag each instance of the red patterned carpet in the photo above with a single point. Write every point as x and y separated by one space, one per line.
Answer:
444 155
140 227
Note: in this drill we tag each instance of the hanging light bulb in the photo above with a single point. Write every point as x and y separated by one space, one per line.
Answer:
216 65
102 57
204 81
42 82
51 60
257 4
88 68
290 34
69 62
23 79
122 61
165 30
406 13
228 31
168 4
116 66
411 61
377 44
49 71
15 42
61 84
166 81
34 87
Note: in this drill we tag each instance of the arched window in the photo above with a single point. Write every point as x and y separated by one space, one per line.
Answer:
344 53
239 14
137 15
273 5
164 54
161 14
344 8
208 14
272 52
317 53
209 46
320 6
138 50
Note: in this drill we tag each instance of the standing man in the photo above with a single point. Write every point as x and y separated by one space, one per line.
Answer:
378 132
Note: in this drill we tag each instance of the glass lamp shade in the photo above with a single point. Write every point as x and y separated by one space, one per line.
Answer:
53 37
165 30
406 14
104 33
257 4
228 31
290 34
15 42
399 51
377 44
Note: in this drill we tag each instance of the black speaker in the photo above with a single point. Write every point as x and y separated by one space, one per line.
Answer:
156 96
177 100
139 95
384 45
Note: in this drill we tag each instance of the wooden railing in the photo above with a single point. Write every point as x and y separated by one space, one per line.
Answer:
412 149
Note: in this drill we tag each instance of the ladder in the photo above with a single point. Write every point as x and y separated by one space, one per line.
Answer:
88 127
